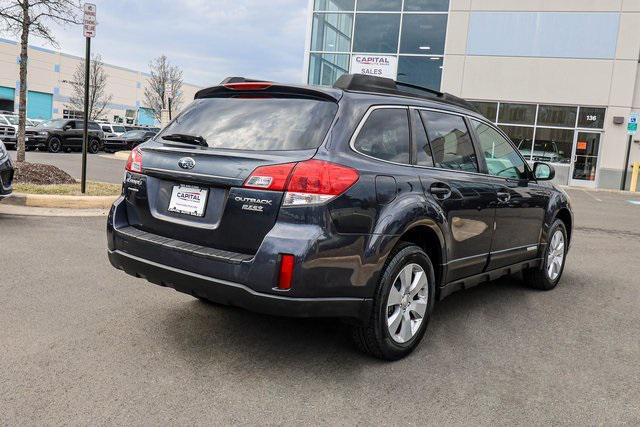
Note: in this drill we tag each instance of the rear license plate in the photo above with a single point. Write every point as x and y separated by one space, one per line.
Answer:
188 200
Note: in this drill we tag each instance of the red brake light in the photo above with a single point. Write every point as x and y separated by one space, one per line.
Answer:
306 183
248 85
272 177
286 271
134 162
320 177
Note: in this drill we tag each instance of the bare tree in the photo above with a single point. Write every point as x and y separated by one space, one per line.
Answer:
163 73
30 17
98 97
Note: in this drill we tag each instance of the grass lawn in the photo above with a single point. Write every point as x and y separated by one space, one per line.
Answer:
93 189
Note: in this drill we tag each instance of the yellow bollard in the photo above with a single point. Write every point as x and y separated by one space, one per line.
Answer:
634 176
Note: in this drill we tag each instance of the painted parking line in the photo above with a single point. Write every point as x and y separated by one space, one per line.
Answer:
634 202
591 195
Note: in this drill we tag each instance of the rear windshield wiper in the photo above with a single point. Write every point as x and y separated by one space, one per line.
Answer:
187 139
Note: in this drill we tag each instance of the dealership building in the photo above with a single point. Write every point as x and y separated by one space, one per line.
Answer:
50 86
561 78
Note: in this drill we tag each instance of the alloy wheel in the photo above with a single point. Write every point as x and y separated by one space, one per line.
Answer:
555 256
407 303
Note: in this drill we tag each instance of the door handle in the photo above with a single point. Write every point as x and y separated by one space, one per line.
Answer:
440 191
504 196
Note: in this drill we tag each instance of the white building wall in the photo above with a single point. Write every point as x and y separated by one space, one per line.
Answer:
48 71
612 83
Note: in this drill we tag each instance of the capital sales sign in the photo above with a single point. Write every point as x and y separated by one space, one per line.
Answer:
375 65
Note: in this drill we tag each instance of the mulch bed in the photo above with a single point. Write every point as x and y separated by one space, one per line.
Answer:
39 173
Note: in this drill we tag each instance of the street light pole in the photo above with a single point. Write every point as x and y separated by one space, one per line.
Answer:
85 137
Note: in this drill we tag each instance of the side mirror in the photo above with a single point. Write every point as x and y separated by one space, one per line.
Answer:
543 171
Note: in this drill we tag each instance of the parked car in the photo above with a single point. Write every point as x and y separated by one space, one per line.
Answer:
368 201
127 140
112 130
6 172
9 130
63 134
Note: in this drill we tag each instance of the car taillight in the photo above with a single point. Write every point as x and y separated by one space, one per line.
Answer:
306 183
270 177
134 162
248 85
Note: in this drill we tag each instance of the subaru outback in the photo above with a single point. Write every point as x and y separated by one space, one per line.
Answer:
367 201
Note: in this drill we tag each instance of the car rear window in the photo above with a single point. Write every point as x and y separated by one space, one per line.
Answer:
256 123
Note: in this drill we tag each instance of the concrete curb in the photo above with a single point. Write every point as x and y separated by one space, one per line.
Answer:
60 202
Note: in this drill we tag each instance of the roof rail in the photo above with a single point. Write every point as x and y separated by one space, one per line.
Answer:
365 83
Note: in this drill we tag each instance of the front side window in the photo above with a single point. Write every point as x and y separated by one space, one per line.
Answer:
385 135
450 141
502 159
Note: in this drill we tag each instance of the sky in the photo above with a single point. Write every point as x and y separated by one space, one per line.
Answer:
208 39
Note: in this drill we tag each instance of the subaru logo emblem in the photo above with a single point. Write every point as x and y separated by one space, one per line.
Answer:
186 163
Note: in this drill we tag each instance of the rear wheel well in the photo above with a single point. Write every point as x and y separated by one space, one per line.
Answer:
428 241
564 216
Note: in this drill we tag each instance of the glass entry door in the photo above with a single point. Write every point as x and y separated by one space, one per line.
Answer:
585 159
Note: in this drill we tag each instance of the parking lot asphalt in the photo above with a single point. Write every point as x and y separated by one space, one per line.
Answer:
100 167
83 343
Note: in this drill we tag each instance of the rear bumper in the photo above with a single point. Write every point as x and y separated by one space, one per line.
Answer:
324 285
238 295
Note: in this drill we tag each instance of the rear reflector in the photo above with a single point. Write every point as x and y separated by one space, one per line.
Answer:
248 85
306 183
286 271
134 162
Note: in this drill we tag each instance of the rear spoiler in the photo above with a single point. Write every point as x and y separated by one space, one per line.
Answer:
235 86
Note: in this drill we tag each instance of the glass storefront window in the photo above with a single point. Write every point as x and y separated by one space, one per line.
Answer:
517 114
423 34
324 69
553 145
591 117
426 5
337 5
420 71
376 33
487 109
554 115
331 32
380 5
522 138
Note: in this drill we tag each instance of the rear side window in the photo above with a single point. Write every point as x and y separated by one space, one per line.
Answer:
450 141
256 123
106 128
385 135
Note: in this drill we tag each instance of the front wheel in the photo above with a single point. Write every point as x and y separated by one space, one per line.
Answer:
54 145
94 146
403 304
547 276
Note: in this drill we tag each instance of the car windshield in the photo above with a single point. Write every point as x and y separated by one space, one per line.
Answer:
55 124
133 134
547 147
119 129
12 119
255 123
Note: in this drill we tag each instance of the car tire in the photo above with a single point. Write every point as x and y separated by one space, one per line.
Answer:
547 276
54 145
94 146
392 332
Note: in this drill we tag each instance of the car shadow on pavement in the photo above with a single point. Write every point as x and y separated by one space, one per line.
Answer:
207 333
